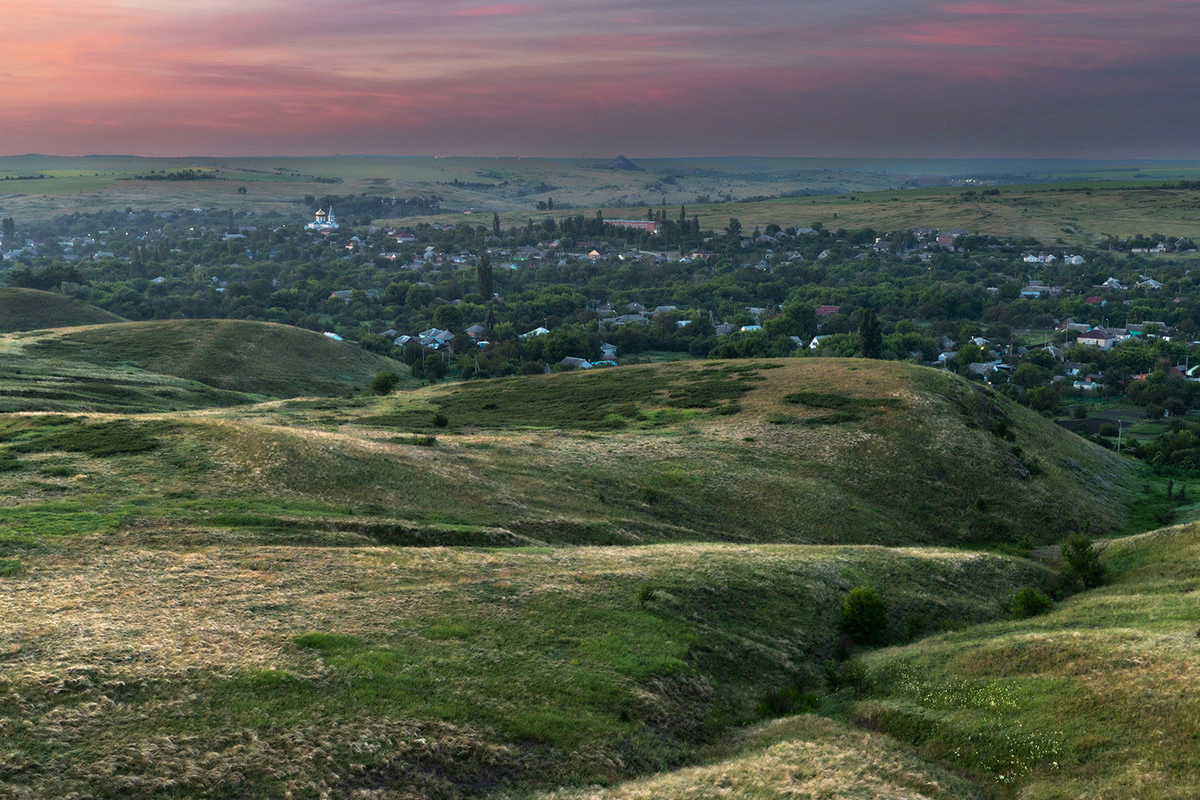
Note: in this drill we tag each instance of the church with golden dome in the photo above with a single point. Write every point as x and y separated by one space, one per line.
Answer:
324 221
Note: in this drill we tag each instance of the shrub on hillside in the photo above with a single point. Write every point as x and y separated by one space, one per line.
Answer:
850 674
1028 602
864 615
1082 560
787 701
384 382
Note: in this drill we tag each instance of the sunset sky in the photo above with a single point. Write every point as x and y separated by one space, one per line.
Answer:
884 78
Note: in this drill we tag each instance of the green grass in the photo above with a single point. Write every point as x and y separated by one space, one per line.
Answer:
598 458
65 384
30 309
102 439
522 668
231 355
1067 704
595 400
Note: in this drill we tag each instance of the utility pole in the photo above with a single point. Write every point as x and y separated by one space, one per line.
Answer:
1120 428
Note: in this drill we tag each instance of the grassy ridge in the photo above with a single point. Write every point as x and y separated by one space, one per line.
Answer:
1096 699
805 756
197 604
30 309
443 673
233 355
65 384
776 451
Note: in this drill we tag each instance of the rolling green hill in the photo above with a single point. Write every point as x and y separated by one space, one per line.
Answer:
813 451
435 673
343 597
1095 699
30 309
803 451
233 355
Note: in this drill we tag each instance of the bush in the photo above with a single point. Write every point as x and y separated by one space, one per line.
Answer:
1028 602
646 594
914 627
1082 560
864 615
787 701
440 420
851 674
384 382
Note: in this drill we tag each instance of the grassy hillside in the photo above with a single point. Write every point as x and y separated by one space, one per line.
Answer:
234 355
800 756
30 309
437 673
802 451
214 602
1098 698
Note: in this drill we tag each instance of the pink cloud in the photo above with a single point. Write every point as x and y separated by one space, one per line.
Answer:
506 10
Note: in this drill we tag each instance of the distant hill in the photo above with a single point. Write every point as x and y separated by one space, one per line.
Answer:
256 357
623 163
30 310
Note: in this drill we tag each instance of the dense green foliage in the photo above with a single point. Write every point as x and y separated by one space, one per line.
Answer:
864 615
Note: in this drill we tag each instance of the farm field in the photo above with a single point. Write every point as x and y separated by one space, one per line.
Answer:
1077 202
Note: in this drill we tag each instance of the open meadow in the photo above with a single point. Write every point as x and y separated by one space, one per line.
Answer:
526 587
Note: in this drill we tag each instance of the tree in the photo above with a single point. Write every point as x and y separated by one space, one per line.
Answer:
9 229
1082 560
448 317
483 275
734 228
435 367
967 355
870 336
864 615
418 296
495 223
384 382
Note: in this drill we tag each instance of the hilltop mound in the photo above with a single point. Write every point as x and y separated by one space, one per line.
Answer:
31 309
797 451
255 357
623 163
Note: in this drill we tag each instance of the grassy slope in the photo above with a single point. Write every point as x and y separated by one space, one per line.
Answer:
802 756
255 357
873 453
136 672
197 603
30 309
1097 699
